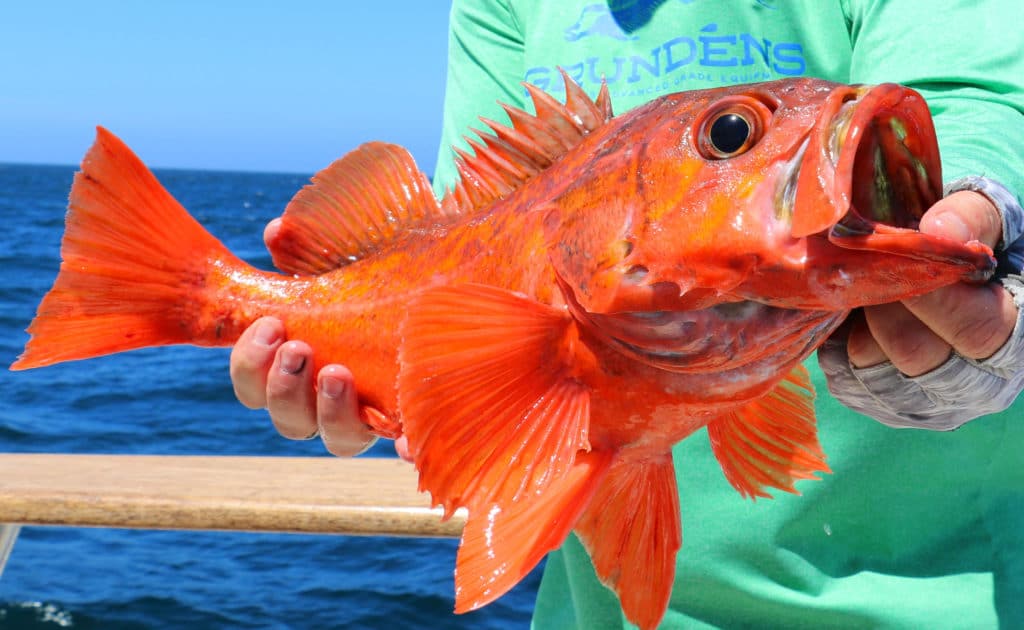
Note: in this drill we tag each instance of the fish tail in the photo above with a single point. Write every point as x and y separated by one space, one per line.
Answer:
134 265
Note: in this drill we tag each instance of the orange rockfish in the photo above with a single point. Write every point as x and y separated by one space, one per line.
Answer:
592 291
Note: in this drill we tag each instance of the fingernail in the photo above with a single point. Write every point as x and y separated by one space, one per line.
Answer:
267 334
950 225
292 363
332 388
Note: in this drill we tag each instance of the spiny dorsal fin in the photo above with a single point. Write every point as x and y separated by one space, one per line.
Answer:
511 155
351 209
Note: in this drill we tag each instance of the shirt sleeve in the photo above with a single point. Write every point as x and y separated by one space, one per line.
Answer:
485 65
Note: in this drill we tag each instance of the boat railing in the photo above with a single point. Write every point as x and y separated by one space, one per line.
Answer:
326 495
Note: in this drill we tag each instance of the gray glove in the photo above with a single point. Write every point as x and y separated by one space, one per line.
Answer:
961 389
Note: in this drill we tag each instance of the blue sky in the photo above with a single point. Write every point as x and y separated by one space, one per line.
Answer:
236 85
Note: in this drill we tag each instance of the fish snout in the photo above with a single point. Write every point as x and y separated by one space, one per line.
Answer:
871 171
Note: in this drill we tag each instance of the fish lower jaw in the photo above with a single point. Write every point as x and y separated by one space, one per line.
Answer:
720 338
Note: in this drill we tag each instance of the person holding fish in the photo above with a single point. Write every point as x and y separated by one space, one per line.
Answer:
913 528
593 289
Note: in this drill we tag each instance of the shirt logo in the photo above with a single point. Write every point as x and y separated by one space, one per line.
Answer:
708 57
596 19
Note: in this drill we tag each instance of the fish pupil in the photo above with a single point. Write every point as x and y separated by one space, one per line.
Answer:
729 133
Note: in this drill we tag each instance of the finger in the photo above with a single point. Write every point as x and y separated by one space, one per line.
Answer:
337 413
251 358
964 216
975 320
290 397
402 448
271 230
861 348
912 347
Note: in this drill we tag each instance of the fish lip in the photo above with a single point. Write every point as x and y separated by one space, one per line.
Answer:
883 134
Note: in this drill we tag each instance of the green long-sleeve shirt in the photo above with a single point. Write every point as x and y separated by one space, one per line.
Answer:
913 529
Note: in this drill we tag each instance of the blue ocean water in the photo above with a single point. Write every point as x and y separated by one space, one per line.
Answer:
179 401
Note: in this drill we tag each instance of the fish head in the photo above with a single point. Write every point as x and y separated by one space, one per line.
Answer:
751 208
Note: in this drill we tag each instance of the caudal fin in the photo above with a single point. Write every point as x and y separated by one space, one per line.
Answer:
133 260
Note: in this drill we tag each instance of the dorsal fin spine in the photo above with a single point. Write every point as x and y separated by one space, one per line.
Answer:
604 102
517 151
470 181
532 152
511 160
504 170
567 130
537 130
584 110
491 179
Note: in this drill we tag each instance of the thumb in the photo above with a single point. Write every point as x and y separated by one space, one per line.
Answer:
402 448
270 232
964 216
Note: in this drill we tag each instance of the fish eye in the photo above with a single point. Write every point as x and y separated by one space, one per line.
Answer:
732 127
728 133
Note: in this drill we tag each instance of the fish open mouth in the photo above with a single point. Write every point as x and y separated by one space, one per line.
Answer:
886 159
862 179
870 165
887 175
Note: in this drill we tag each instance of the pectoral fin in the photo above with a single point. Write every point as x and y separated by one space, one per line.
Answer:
772 441
488 401
500 545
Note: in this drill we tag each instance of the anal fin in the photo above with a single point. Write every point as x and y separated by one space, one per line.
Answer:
632 532
771 441
500 545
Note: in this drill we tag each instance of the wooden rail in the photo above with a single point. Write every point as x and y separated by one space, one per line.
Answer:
362 496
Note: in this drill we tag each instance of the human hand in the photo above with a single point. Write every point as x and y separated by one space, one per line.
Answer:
919 334
269 371
942 359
